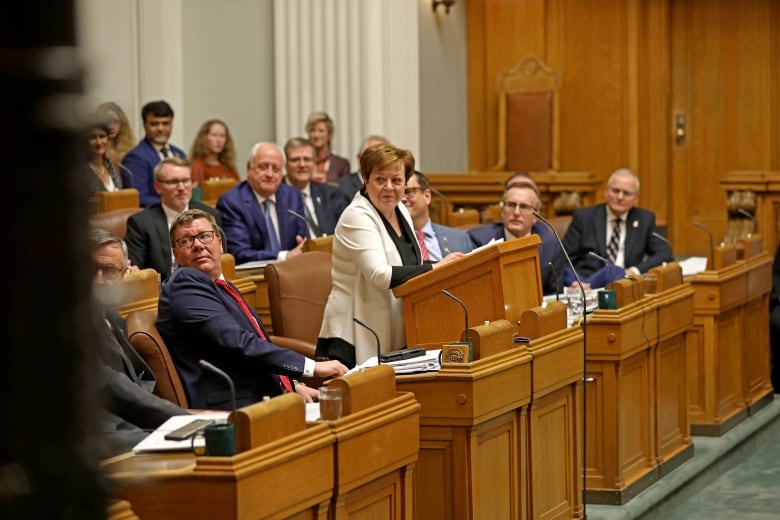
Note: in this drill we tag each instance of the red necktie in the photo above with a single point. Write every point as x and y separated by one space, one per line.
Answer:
286 383
421 240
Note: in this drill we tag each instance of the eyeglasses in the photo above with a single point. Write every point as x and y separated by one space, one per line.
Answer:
204 237
523 207
617 192
109 272
412 191
176 182
266 166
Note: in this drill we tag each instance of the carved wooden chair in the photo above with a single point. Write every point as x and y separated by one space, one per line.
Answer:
104 201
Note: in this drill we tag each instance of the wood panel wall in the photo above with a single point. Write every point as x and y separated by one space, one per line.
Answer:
627 66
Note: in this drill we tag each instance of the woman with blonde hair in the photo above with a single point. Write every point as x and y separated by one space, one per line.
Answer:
213 154
328 167
120 136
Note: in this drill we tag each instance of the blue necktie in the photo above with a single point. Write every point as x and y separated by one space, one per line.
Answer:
273 241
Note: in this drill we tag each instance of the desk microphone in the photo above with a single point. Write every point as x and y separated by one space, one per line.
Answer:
609 266
211 368
750 216
448 294
378 350
585 379
558 289
308 221
661 237
712 242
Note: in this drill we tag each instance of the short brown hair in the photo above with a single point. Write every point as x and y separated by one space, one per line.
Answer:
187 217
381 155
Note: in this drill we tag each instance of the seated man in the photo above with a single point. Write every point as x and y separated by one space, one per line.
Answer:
147 231
436 241
617 231
256 214
322 203
520 200
131 409
201 316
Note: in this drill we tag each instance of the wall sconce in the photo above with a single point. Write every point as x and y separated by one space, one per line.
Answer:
446 3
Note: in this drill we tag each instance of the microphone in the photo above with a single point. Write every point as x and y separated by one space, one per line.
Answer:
378 350
712 242
750 216
585 379
661 237
446 203
211 368
557 284
465 310
309 223
609 266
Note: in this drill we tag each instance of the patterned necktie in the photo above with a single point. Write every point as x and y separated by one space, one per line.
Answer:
614 242
166 152
420 234
273 241
286 383
314 229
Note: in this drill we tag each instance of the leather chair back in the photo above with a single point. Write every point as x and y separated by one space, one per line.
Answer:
104 201
114 221
298 290
146 340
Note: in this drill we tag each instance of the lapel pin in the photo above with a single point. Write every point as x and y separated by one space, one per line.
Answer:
636 224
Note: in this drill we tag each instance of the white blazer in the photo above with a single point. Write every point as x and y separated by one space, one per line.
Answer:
363 256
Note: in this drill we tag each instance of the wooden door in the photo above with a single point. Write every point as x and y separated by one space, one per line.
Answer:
724 104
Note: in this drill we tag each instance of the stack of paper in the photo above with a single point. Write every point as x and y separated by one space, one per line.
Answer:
426 363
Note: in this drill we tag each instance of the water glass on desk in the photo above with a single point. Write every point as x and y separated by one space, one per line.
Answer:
574 302
330 403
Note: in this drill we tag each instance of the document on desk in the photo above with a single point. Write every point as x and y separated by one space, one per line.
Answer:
430 362
693 265
155 441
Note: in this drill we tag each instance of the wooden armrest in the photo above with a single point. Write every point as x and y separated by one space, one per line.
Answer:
298 345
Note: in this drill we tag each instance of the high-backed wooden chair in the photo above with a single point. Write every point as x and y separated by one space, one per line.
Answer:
110 200
298 290
146 340
114 221
324 244
528 117
140 291
212 189
465 218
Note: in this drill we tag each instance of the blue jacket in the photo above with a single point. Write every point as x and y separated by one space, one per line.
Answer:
141 161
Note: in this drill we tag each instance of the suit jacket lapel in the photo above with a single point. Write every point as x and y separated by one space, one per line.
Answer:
600 229
164 236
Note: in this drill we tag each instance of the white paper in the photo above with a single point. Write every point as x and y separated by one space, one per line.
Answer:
429 362
492 242
156 441
693 265
312 412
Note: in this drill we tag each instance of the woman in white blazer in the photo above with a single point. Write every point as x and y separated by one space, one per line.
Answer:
374 250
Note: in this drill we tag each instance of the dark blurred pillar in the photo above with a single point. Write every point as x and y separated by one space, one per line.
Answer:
47 469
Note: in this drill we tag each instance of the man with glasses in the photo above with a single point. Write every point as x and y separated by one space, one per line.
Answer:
203 316
616 230
436 241
322 203
131 410
256 216
157 117
519 202
147 231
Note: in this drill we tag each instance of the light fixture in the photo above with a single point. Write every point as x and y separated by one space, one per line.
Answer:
446 3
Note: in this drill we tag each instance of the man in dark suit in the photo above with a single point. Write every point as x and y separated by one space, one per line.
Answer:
615 230
131 410
202 316
519 202
352 183
147 236
141 160
437 241
255 213
322 203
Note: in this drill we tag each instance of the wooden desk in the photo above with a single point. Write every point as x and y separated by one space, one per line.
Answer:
498 282
473 437
291 475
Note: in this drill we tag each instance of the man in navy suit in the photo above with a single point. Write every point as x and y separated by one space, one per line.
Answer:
353 182
202 316
322 203
519 202
141 160
147 231
636 248
439 241
255 213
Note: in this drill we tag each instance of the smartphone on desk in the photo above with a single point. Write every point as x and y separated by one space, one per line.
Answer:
404 353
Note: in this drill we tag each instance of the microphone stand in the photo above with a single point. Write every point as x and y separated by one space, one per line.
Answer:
378 350
557 283
585 378
609 267
211 368
465 310
712 245
661 237
310 225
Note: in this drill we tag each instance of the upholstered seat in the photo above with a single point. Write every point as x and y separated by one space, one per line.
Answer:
212 189
146 340
114 221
